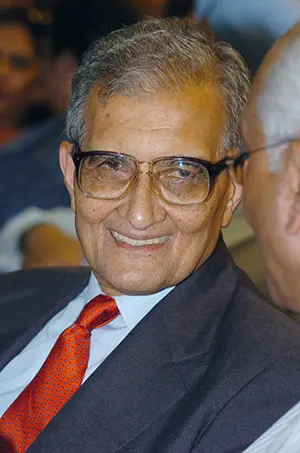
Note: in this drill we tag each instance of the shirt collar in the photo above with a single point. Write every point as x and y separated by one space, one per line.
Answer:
132 308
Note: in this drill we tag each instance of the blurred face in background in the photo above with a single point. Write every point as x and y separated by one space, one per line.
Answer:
19 72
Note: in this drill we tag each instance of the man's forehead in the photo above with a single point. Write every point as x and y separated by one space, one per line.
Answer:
196 108
122 111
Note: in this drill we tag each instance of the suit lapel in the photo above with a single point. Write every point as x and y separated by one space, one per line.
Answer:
193 319
150 371
135 385
18 326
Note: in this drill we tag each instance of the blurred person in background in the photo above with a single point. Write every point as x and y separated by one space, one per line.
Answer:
272 175
36 224
21 47
271 128
29 169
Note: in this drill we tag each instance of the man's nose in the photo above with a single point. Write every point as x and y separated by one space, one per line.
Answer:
142 207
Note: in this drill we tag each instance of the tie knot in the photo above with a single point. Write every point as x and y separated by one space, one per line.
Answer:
99 311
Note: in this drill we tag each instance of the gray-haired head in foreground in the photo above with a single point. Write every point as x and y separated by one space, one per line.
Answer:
156 57
278 107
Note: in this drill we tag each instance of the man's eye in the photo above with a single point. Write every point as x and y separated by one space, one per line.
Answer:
181 173
185 174
112 164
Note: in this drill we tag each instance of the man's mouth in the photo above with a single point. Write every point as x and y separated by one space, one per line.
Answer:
139 242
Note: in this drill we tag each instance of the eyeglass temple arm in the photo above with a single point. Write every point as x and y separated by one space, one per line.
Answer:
227 163
245 154
234 162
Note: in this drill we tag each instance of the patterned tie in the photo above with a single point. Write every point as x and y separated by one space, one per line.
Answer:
57 381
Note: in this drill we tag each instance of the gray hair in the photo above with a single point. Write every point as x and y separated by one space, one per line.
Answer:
161 55
278 107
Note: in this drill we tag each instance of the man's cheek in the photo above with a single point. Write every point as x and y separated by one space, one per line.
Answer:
89 210
192 222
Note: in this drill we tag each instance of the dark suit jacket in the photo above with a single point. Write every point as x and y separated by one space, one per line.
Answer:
208 370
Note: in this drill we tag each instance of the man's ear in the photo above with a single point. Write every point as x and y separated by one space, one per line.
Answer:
292 179
235 196
68 169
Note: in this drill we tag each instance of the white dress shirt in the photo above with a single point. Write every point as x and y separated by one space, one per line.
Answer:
21 370
282 437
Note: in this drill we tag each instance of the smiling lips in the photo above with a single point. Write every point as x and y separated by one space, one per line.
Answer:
139 242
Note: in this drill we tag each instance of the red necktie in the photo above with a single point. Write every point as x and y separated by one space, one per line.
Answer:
57 381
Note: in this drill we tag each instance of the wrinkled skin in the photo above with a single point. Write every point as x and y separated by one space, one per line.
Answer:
189 123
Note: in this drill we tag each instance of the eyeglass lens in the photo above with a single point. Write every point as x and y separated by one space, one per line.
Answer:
178 180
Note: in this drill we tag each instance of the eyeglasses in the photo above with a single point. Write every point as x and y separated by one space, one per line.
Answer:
178 180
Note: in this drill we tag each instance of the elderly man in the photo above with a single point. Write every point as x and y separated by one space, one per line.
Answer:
164 347
271 126
272 195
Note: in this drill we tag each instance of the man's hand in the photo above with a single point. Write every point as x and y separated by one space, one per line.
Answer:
46 245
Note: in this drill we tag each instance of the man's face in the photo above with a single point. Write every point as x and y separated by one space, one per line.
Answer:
189 124
258 181
267 209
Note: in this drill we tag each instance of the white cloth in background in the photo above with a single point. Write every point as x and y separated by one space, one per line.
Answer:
12 231
282 437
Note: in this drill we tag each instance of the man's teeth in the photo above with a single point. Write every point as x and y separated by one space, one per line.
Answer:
139 242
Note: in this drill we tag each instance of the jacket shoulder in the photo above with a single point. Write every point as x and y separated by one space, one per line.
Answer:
260 325
31 281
